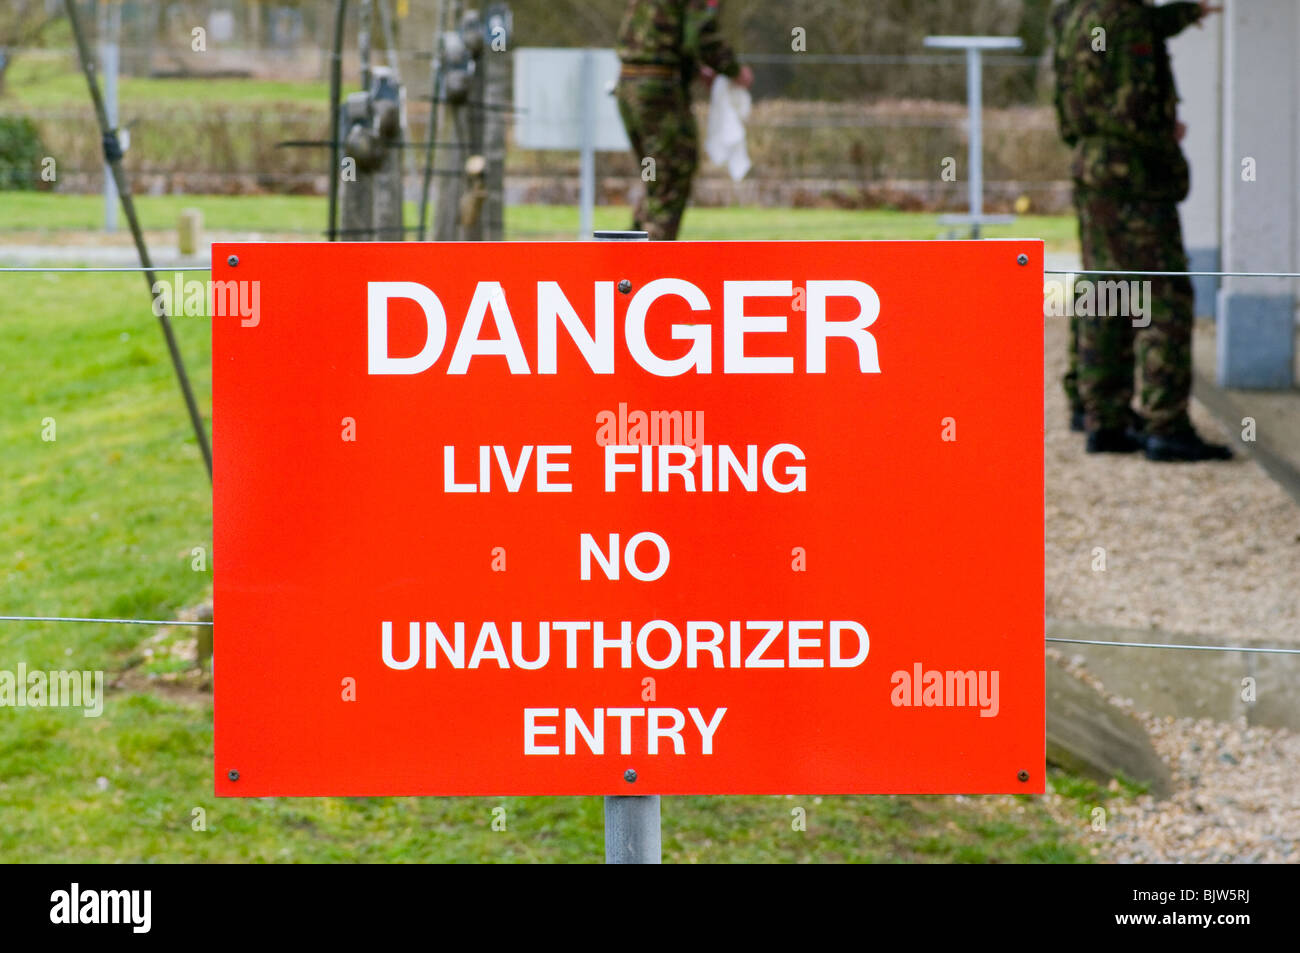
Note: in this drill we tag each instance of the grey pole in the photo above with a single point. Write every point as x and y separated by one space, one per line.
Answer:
631 822
974 46
432 126
363 43
108 57
975 151
632 830
587 148
336 105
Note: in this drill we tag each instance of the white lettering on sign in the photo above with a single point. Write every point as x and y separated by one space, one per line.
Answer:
655 725
658 644
378 294
512 474
709 470
554 309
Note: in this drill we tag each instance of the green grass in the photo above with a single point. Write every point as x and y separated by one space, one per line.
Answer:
29 211
102 521
41 82
42 210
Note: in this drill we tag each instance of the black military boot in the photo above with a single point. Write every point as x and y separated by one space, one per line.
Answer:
1113 440
1183 446
1136 427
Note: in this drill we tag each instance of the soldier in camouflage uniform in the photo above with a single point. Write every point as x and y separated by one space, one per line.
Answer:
1117 107
663 44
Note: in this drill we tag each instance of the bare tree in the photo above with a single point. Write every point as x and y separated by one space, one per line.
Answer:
22 22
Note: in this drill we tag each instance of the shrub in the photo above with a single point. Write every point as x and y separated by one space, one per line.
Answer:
21 153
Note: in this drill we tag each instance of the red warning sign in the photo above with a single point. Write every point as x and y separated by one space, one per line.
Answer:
733 517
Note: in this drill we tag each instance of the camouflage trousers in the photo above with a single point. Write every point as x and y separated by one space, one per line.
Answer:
660 124
1106 348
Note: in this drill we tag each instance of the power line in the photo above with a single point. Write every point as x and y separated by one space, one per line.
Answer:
131 268
1167 645
61 618
1183 274
1136 645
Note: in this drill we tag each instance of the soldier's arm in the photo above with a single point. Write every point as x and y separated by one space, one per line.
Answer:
1174 18
1138 110
702 40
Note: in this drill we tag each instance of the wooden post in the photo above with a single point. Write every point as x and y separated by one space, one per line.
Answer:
189 232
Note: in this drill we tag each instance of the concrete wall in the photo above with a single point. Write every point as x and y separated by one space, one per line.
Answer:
1261 112
1198 70
1240 86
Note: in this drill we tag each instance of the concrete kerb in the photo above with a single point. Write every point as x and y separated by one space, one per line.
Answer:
1188 683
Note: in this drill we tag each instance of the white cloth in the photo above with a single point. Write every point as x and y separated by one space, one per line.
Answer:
724 141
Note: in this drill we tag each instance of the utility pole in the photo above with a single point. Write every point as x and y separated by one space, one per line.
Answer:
372 141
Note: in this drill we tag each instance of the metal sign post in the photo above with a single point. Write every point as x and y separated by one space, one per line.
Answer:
587 143
975 47
631 821
565 103
632 830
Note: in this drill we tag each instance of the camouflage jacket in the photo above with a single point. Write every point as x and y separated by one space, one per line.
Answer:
1115 95
682 34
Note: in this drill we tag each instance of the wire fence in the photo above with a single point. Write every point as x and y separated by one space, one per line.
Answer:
869 129
839 100
1249 649
1265 650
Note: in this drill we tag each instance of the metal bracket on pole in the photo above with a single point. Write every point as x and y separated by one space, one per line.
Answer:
632 826
975 47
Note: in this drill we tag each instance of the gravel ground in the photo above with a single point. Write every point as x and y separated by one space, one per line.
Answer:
1209 548
1236 795
1205 548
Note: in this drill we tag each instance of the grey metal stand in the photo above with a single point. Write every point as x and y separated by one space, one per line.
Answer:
975 47
632 830
631 822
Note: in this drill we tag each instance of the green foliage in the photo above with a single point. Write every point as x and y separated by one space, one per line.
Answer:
21 153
